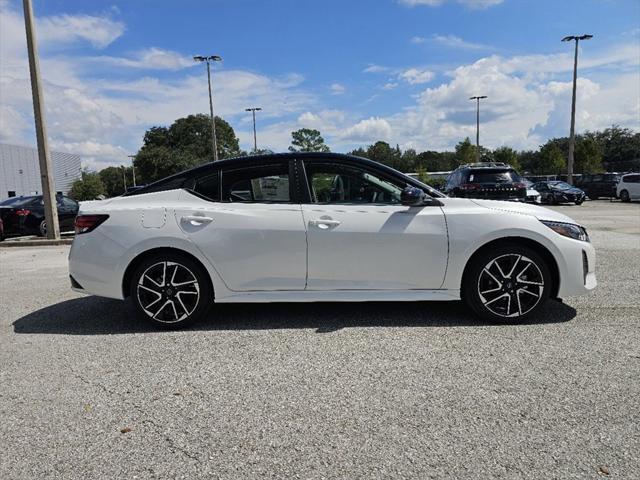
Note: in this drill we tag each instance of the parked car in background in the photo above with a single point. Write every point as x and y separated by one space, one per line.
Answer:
488 180
533 196
629 187
555 191
25 215
599 185
314 227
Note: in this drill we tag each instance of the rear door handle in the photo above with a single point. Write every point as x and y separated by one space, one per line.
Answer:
197 219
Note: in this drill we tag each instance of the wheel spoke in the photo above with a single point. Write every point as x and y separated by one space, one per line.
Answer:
496 299
530 293
515 264
493 277
161 308
495 262
152 280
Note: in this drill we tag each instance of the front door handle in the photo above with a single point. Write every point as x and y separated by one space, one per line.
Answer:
197 219
324 223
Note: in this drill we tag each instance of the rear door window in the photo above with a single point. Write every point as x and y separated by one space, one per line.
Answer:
268 183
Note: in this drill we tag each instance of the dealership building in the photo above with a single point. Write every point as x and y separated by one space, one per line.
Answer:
20 171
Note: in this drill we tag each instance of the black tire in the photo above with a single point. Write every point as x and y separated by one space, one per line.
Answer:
579 202
624 196
171 291
485 291
42 229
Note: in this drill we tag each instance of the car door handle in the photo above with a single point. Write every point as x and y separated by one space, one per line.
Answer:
324 223
197 219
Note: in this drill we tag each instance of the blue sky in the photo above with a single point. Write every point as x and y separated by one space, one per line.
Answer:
359 71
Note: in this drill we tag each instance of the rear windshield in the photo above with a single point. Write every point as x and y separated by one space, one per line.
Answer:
493 176
18 201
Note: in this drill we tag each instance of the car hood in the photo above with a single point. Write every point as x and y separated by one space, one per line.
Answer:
540 213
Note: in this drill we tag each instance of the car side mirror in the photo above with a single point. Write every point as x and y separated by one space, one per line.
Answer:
413 197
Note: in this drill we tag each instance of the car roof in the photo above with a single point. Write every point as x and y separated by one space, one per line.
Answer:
254 159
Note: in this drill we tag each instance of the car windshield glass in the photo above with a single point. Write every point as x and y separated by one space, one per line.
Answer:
493 176
560 185
17 201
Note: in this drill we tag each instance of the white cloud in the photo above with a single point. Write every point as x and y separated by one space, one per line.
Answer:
373 68
452 41
98 31
473 4
415 76
337 89
418 40
389 85
150 59
368 130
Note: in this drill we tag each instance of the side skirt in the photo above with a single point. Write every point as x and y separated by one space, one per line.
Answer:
340 296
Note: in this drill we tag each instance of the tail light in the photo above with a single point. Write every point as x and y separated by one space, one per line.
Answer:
470 186
520 185
87 223
23 212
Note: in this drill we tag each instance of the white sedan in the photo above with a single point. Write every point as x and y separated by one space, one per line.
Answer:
319 227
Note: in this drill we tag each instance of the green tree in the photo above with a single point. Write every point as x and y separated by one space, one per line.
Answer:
185 144
88 187
620 147
383 153
507 155
552 160
113 181
307 140
588 155
465 152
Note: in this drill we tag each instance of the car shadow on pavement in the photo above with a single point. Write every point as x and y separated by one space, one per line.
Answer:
102 316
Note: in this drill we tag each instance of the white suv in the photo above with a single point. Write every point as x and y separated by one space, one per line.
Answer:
629 187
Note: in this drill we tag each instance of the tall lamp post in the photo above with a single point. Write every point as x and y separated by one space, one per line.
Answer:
477 99
209 59
572 138
133 168
255 138
46 172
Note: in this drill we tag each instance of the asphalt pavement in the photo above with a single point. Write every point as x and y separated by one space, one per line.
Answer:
391 390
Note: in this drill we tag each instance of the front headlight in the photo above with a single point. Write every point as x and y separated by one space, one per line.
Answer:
568 230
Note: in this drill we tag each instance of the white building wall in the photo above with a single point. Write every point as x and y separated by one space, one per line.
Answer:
20 170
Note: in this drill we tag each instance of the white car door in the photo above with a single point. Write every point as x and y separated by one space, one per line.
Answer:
361 237
252 233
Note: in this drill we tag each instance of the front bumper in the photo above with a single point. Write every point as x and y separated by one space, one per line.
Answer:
578 271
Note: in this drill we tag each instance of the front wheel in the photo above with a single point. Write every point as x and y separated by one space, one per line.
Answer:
579 202
171 291
506 284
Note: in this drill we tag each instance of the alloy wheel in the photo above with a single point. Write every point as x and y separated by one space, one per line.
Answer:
168 292
510 285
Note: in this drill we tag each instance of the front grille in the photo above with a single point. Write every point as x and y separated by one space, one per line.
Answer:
585 267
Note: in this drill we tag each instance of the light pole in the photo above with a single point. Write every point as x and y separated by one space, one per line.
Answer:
572 138
477 99
46 172
133 168
209 59
255 139
124 177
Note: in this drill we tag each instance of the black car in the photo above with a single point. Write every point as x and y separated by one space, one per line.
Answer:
25 215
494 181
599 185
555 191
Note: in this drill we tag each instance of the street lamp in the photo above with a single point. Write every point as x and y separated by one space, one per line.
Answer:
209 59
572 138
477 99
255 139
133 168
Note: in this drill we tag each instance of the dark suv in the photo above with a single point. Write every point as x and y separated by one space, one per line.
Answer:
599 185
493 181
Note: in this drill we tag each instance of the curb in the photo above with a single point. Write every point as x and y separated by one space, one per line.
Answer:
35 243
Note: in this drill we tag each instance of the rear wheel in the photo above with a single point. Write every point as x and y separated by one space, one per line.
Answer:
624 196
579 202
171 291
42 229
506 284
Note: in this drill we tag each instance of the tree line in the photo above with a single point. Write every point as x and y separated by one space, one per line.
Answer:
187 143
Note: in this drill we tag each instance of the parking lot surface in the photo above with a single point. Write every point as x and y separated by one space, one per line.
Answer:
387 390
